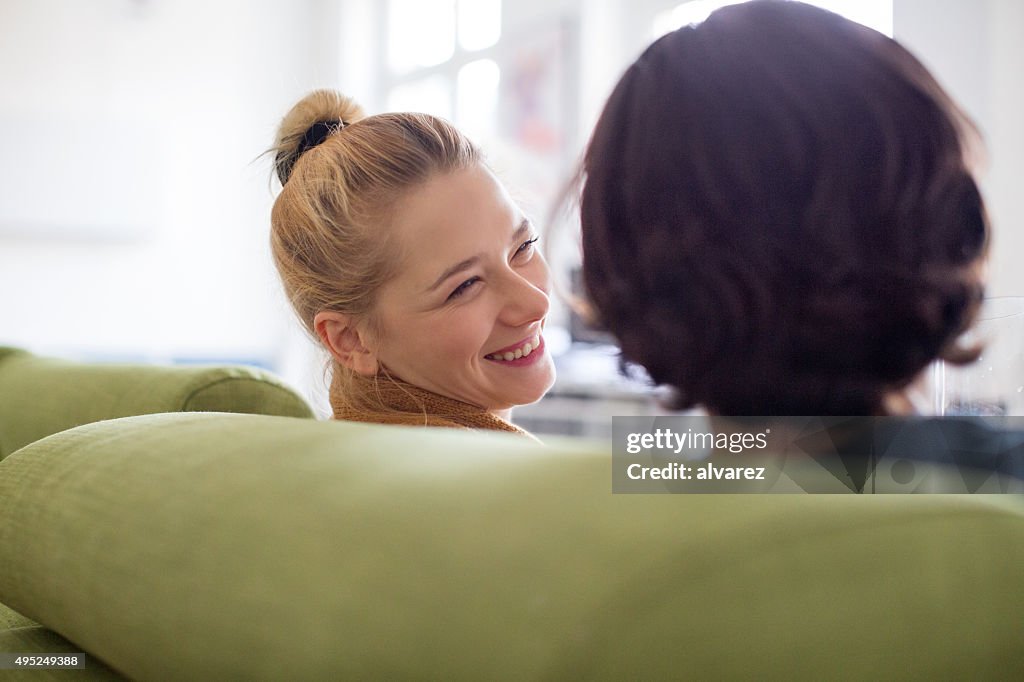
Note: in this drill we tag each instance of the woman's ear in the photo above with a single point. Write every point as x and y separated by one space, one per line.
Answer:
345 342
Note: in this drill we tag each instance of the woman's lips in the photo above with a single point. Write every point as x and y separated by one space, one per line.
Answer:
534 356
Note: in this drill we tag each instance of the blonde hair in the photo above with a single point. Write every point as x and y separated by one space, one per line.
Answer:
340 172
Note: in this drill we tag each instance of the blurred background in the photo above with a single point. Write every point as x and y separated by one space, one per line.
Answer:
134 204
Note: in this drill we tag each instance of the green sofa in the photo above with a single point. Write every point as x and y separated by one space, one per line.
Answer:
40 396
238 546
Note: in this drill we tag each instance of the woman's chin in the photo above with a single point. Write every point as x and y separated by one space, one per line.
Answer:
534 394
523 392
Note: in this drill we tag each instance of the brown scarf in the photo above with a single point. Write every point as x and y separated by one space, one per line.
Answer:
402 403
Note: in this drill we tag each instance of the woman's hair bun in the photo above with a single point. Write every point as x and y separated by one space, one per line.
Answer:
315 117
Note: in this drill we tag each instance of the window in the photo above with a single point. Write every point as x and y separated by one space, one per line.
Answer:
441 59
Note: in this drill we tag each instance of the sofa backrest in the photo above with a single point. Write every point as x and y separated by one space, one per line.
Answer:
210 546
40 396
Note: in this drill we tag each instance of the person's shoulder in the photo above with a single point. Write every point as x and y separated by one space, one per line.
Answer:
992 443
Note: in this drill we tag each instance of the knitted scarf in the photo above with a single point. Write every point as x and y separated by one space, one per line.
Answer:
398 402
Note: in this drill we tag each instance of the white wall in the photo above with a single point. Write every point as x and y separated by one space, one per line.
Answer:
208 81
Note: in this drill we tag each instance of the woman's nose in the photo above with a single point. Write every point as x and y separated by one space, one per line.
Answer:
526 300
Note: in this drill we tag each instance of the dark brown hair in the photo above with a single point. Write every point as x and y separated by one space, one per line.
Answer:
779 216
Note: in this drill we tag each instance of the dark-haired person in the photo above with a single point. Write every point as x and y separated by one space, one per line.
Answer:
779 215
403 254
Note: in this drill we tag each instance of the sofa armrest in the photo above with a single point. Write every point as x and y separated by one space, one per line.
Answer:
40 396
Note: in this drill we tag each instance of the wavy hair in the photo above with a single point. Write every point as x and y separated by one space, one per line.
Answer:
779 215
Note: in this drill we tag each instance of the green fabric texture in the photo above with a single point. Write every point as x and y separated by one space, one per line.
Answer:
40 396
39 640
212 546
10 618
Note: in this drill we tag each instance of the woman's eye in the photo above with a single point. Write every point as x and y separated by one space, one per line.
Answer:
463 288
526 246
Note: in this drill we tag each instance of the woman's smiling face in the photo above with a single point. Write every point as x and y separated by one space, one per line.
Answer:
463 317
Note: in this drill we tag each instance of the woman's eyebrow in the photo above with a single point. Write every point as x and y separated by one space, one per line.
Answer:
521 231
458 267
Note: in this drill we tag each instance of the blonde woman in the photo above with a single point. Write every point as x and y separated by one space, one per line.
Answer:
405 257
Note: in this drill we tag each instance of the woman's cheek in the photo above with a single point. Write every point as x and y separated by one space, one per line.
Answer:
542 278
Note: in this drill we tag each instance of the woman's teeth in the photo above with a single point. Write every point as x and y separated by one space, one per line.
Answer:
521 352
